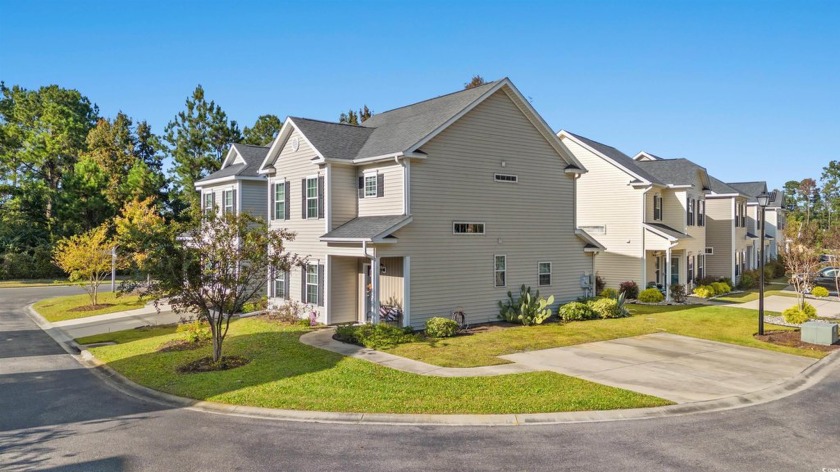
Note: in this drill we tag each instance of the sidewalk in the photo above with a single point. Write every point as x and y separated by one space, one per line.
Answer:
826 307
100 324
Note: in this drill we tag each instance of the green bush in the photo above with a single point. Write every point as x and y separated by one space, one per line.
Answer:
704 291
747 281
721 287
608 308
379 336
819 292
677 293
438 327
255 305
651 295
630 289
796 315
195 331
527 309
609 293
576 311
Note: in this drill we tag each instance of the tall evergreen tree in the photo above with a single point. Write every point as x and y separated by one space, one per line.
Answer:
263 131
476 81
198 137
355 118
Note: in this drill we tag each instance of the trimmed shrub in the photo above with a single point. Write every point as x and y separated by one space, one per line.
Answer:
704 291
796 315
728 282
677 293
819 292
599 284
195 331
438 327
707 280
630 289
721 287
651 295
576 311
379 336
747 281
608 308
609 293
255 305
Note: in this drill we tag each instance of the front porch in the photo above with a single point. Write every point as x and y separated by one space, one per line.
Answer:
672 258
364 290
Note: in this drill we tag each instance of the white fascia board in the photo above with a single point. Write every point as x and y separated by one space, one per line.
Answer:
227 179
231 152
563 134
278 144
659 233
680 186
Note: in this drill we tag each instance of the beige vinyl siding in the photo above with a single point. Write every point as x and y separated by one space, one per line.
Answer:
674 209
720 223
253 197
530 222
391 203
344 289
391 283
606 198
218 190
343 201
295 166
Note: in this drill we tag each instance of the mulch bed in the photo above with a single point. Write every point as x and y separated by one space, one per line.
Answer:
792 339
91 307
181 345
206 364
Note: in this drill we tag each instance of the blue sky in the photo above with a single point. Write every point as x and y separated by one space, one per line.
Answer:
750 90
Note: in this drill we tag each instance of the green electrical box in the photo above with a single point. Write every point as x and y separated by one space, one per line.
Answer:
816 332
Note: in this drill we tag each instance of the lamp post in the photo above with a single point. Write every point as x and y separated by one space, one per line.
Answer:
763 201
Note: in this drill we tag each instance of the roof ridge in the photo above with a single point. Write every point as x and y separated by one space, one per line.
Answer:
251 145
487 84
323 121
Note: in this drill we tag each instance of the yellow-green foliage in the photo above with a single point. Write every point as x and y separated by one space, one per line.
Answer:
704 291
819 292
796 315
195 331
720 288
609 293
651 295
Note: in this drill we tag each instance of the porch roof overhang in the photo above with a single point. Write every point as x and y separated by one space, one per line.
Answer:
751 236
767 236
592 245
369 229
666 232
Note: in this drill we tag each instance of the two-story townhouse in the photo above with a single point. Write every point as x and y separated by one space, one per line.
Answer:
237 186
727 239
423 210
648 213
752 190
775 223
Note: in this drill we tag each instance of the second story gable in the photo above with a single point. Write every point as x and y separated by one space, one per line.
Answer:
237 186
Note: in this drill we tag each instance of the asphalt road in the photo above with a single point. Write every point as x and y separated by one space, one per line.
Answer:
57 416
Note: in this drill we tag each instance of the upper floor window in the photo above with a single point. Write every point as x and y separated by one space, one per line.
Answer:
544 273
281 201
209 204
467 228
229 199
657 207
506 178
692 206
372 185
701 212
312 197
740 215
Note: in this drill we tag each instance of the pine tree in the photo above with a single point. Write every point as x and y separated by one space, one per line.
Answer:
264 131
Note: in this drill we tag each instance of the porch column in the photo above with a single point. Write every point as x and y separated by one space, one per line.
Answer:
406 290
667 274
374 289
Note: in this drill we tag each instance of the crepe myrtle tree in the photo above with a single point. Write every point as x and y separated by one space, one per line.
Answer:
802 258
214 267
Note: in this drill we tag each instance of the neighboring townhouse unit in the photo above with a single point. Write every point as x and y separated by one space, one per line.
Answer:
752 190
237 186
438 206
775 224
647 212
729 244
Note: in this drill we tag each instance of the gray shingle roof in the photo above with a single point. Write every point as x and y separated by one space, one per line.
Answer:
750 189
779 198
669 231
719 187
253 156
334 140
619 157
672 171
366 227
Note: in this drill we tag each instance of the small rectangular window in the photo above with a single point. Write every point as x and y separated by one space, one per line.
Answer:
280 284
312 284
467 228
279 200
312 197
208 204
506 178
228 201
500 269
657 208
370 186
544 272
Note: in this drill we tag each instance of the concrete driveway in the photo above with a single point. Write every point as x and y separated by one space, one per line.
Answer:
677 368
826 307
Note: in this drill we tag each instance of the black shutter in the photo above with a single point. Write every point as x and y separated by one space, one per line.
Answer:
361 187
320 284
303 284
380 185
287 200
272 199
213 203
688 214
303 198
286 277
320 196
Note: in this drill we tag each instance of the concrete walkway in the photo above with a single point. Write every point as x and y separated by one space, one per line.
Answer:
826 307
101 324
322 339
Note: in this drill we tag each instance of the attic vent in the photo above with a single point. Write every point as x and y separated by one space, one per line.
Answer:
602 229
506 178
710 251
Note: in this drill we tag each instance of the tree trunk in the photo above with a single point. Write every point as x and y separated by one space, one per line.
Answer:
217 347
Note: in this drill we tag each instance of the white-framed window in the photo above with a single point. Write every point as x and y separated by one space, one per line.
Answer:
544 273
312 197
509 178
459 227
312 284
370 185
500 270
690 278
280 200
209 204
692 206
280 284
701 266
701 212
657 207
228 201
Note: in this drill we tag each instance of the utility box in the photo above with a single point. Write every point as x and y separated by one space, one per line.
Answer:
815 332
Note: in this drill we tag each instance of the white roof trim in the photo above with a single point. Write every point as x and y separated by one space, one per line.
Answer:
232 151
586 237
641 154
565 134
659 233
276 146
379 238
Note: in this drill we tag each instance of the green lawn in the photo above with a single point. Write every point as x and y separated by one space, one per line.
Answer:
729 325
59 308
35 283
751 295
283 373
